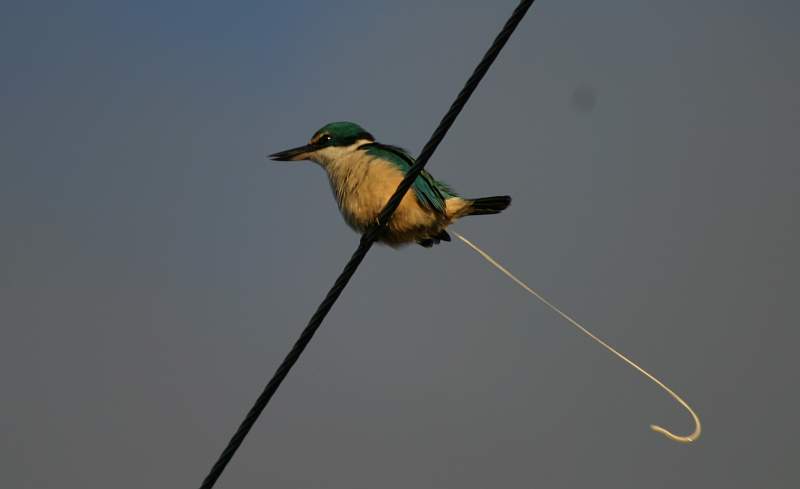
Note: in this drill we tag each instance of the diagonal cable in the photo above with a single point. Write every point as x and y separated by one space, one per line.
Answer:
364 246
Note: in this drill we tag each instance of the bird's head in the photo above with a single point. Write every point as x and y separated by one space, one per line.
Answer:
329 143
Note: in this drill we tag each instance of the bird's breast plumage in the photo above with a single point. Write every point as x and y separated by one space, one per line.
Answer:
363 183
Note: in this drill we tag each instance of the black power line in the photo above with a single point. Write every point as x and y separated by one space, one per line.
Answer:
367 240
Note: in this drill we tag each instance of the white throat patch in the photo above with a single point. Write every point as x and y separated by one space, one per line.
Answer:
332 154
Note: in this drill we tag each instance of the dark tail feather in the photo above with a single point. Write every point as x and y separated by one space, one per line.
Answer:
489 205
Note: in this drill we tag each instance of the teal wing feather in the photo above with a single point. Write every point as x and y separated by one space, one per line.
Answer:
430 192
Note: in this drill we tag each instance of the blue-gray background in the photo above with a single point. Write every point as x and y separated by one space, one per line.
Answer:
156 267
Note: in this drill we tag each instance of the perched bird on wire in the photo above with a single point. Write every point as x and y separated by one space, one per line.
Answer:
364 174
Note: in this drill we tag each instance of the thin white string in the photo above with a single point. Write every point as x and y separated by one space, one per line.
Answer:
683 439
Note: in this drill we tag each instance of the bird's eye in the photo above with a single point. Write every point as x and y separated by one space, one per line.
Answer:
326 138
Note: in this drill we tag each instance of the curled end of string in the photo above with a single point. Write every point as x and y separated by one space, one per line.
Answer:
698 429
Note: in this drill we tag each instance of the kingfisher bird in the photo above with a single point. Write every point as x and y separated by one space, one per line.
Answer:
364 174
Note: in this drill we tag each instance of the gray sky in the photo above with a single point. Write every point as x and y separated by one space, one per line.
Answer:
155 267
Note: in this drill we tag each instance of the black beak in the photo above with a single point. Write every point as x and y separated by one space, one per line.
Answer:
294 153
